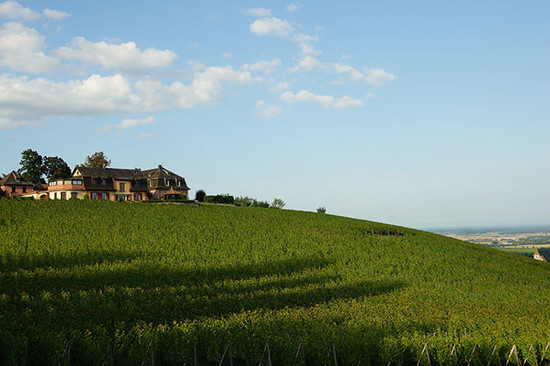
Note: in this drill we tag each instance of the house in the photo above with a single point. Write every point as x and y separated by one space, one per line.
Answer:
538 256
14 185
112 184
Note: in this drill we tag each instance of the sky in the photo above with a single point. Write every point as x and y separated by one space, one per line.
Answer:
422 114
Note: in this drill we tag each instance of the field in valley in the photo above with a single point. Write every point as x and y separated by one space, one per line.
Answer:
130 282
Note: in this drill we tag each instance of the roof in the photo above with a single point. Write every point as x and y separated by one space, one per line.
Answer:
115 173
14 179
160 174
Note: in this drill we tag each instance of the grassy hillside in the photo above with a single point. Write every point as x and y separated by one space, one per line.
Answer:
112 278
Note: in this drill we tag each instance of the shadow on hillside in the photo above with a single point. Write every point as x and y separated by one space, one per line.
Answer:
58 261
133 292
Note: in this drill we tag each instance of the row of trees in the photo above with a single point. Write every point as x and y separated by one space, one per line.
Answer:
201 196
34 167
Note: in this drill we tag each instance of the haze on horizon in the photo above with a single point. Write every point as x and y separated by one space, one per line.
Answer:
424 114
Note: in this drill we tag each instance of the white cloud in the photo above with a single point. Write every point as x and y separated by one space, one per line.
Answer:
353 73
378 77
266 110
24 100
371 96
271 26
55 14
257 12
307 64
125 56
375 77
21 49
279 87
267 67
130 122
326 101
13 10
347 102
293 7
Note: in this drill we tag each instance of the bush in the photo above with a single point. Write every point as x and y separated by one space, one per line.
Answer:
199 195
321 210
278 203
220 198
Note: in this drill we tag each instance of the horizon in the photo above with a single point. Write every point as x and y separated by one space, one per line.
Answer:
424 115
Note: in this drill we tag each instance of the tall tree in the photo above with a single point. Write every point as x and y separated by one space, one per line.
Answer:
97 160
32 167
56 168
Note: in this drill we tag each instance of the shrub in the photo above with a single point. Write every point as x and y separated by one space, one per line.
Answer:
278 203
321 210
199 195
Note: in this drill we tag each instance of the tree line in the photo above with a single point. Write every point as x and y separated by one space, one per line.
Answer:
36 168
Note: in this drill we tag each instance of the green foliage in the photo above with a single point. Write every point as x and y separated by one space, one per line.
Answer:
278 203
321 210
56 168
220 198
110 276
199 195
32 167
97 160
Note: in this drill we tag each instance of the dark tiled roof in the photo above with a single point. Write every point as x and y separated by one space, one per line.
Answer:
162 178
14 179
142 180
125 174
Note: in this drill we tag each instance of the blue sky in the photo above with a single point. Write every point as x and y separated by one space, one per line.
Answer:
423 114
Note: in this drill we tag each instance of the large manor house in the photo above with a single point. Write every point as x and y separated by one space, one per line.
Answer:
107 184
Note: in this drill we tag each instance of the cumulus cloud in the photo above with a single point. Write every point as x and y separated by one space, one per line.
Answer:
307 64
130 122
55 14
375 77
267 67
378 77
266 110
279 87
21 49
16 11
293 7
24 100
125 56
271 26
326 101
257 12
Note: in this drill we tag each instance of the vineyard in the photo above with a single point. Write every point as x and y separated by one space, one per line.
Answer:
116 281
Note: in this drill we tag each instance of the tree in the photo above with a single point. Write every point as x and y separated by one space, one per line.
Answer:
199 195
97 160
56 168
321 210
32 167
278 203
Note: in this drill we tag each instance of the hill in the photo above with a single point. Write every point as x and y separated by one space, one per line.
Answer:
124 282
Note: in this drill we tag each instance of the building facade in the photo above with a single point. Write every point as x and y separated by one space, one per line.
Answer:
112 184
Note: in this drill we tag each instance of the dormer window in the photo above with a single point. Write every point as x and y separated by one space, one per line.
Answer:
104 182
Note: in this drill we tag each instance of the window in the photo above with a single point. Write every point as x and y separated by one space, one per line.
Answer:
24 189
12 189
122 187
104 196
73 195
94 195
55 195
104 182
63 195
77 182
137 197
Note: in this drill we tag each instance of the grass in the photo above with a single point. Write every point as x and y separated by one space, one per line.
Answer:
113 278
